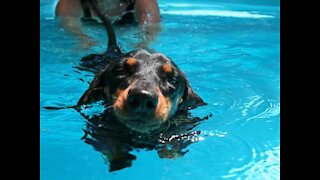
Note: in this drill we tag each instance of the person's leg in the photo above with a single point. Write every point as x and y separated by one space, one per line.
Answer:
70 8
69 13
147 11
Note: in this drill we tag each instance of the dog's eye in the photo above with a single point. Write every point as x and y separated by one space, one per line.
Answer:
173 81
120 71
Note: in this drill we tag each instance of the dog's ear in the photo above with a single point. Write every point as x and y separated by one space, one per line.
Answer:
96 91
190 99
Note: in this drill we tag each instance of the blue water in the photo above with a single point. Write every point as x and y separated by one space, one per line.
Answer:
230 54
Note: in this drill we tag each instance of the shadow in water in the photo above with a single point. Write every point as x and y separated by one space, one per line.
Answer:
109 137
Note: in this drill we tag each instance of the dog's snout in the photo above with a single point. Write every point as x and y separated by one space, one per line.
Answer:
142 101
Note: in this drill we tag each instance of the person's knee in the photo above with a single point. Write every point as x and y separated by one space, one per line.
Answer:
68 8
147 11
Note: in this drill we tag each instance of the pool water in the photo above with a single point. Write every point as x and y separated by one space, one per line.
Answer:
230 53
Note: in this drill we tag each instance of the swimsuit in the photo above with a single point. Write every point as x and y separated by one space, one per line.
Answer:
126 18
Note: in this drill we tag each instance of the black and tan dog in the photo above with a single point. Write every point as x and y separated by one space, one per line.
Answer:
147 97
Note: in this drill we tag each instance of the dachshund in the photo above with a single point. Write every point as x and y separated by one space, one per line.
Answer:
146 99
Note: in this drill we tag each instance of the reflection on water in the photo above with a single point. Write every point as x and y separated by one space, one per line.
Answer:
115 141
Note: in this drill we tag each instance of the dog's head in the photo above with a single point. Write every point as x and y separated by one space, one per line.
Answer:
145 90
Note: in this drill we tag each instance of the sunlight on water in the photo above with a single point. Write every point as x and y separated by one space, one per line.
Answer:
266 168
221 13
187 5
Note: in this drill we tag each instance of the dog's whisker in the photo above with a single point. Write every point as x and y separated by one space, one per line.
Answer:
109 107
172 86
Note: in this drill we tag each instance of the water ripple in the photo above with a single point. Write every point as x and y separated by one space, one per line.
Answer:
264 162
226 149
259 108
266 168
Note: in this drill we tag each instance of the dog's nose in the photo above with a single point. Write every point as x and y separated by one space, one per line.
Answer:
142 101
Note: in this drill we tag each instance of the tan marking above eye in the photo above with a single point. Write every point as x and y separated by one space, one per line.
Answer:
167 68
131 61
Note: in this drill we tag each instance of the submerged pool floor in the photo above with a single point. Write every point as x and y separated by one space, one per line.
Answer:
230 54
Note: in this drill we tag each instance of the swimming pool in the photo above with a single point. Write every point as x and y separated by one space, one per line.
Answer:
231 55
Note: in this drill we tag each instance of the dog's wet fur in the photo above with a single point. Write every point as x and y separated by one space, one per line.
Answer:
148 98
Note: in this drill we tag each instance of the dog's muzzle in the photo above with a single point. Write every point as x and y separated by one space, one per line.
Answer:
141 101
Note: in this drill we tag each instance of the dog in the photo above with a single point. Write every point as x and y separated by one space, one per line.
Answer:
146 99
